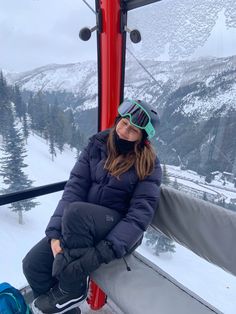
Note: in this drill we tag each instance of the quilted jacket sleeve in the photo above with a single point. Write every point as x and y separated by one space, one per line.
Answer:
76 189
143 204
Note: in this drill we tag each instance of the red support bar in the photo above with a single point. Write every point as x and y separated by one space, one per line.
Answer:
97 297
110 61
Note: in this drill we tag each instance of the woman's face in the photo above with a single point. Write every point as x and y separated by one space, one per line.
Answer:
127 131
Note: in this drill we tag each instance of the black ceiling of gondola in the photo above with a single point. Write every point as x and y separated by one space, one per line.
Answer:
133 4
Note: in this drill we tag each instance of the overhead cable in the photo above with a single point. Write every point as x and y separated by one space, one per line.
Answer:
89 6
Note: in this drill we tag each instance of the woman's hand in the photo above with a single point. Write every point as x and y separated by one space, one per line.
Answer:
55 246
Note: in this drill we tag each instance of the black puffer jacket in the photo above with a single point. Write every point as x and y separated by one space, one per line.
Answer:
90 182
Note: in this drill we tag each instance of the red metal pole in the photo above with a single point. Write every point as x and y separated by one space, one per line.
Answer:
110 81
110 61
97 297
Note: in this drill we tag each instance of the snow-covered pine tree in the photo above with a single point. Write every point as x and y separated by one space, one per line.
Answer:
12 165
31 108
20 106
68 126
204 196
21 110
164 244
38 110
175 184
25 127
51 133
77 140
4 92
58 124
165 175
4 105
159 242
208 178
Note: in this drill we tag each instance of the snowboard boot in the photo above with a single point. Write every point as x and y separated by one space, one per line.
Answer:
58 301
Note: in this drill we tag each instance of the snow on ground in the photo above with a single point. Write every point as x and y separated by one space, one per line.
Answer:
17 239
45 171
208 281
193 180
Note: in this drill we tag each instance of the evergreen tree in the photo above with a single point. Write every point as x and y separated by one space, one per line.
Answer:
38 111
208 178
78 140
81 143
4 92
165 175
164 244
32 112
51 133
25 127
58 125
20 106
176 184
12 165
68 126
20 109
159 242
205 196
52 149
5 106
221 202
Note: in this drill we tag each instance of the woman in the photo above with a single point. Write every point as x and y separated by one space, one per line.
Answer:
107 204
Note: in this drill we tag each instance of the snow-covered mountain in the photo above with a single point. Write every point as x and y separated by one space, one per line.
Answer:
195 99
54 77
76 78
206 84
216 76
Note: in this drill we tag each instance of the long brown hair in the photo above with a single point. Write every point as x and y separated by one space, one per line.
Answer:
142 158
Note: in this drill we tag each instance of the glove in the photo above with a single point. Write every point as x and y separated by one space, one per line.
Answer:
95 256
60 262
83 260
105 252
63 259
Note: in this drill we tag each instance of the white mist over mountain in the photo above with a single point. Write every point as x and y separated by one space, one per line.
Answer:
221 42
185 29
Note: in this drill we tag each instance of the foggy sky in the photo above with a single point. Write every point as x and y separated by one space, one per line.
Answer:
39 32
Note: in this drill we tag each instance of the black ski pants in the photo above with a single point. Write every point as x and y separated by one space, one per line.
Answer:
83 225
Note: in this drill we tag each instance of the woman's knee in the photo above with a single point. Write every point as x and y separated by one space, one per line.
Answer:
39 258
75 212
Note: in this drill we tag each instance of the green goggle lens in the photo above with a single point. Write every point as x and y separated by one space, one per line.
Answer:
138 116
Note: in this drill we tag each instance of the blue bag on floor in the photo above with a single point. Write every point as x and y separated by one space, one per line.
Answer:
11 300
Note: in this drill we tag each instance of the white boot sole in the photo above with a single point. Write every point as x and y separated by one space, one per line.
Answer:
35 310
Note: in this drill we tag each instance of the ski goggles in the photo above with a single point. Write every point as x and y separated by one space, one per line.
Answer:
138 116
